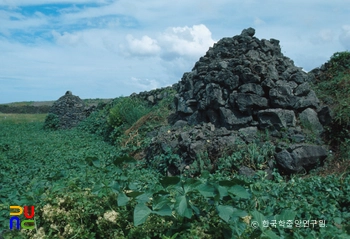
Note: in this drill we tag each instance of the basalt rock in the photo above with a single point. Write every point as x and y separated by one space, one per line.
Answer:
300 157
276 119
198 141
309 119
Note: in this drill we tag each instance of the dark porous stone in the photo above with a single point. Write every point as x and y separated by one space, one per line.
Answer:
301 157
245 171
276 119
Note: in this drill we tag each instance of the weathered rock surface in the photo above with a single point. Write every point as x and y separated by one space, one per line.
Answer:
70 110
204 139
300 157
309 119
276 119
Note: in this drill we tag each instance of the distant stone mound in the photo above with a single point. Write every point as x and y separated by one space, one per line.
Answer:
244 85
70 110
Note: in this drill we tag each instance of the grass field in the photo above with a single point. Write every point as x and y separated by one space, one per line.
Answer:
21 118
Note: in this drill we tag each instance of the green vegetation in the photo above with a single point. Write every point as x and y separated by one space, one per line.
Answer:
127 111
125 121
83 187
96 101
21 118
91 182
254 155
333 87
29 103
51 121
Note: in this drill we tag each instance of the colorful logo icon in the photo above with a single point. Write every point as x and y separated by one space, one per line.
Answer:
28 223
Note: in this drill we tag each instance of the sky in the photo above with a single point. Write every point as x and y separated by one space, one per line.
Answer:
112 48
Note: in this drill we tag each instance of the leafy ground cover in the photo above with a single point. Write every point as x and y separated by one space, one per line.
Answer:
83 187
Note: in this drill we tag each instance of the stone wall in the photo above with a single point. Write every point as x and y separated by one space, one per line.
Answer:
156 95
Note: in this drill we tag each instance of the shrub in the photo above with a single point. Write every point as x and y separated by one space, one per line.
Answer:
333 87
52 121
127 111
340 61
253 155
97 124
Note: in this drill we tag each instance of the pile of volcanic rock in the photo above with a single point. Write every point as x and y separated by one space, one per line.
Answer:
70 110
245 85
